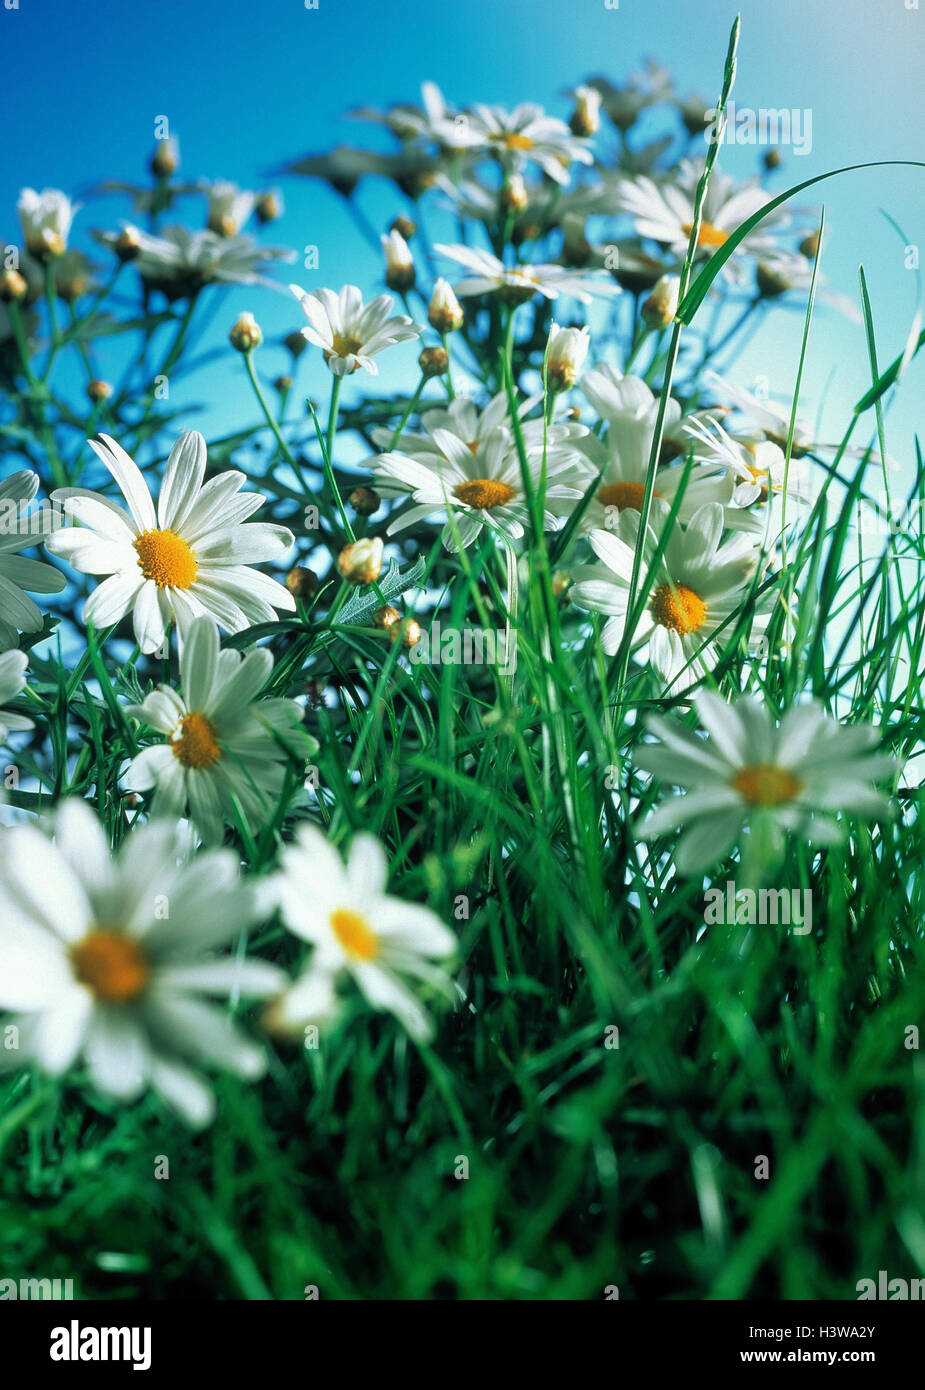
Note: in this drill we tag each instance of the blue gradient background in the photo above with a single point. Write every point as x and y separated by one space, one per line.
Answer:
247 87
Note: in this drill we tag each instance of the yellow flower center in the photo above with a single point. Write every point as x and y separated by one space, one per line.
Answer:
484 492
763 784
355 934
679 608
166 558
343 347
195 742
626 496
708 236
112 964
512 141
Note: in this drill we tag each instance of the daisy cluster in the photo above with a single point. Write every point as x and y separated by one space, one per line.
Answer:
666 504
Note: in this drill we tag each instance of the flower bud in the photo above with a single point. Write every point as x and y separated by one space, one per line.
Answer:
586 118
399 267
560 582
659 309
514 196
771 280
13 286
127 244
433 361
302 582
98 391
365 501
809 246
165 160
772 158
391 621
361 562
404 227
444 312
268 207
283 384
245 334
565 357
295 344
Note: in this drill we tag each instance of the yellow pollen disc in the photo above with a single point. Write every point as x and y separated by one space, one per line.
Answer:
512 141
355 934
195 742
484 492
626 496
166 558
679 608
708 235
112 964
343 347
767 785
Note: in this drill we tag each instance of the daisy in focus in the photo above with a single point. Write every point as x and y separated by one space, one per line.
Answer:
349 332
12 683
357 929
191 556
701 581
20 528
106 957
525 135
221 742
797 777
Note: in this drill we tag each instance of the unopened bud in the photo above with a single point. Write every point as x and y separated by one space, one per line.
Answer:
165 160
127 244
433 361
365 501
392 622
283 384
245 334
268 207
361 562
444 313
771 281
98 391
399 267
772 158
560 582
404 227
13 286
302 582
568 348
659 310
586 118
295 344
514 196
809 246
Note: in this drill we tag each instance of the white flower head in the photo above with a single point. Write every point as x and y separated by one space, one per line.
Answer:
180 263
46 221
220 741
20 528
12 683
796 776
527 134
105 957
190 556
357 928
700 584
349 332
520 283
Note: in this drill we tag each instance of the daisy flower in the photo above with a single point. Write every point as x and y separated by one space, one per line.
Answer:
759 470
350 332
221 743
522 282
12 683
526 135
20 528
105 956
664 212
795 777
46 221
180 263
475 489
356 928
192 556
700 582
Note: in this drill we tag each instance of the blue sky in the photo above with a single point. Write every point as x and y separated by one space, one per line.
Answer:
247 87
